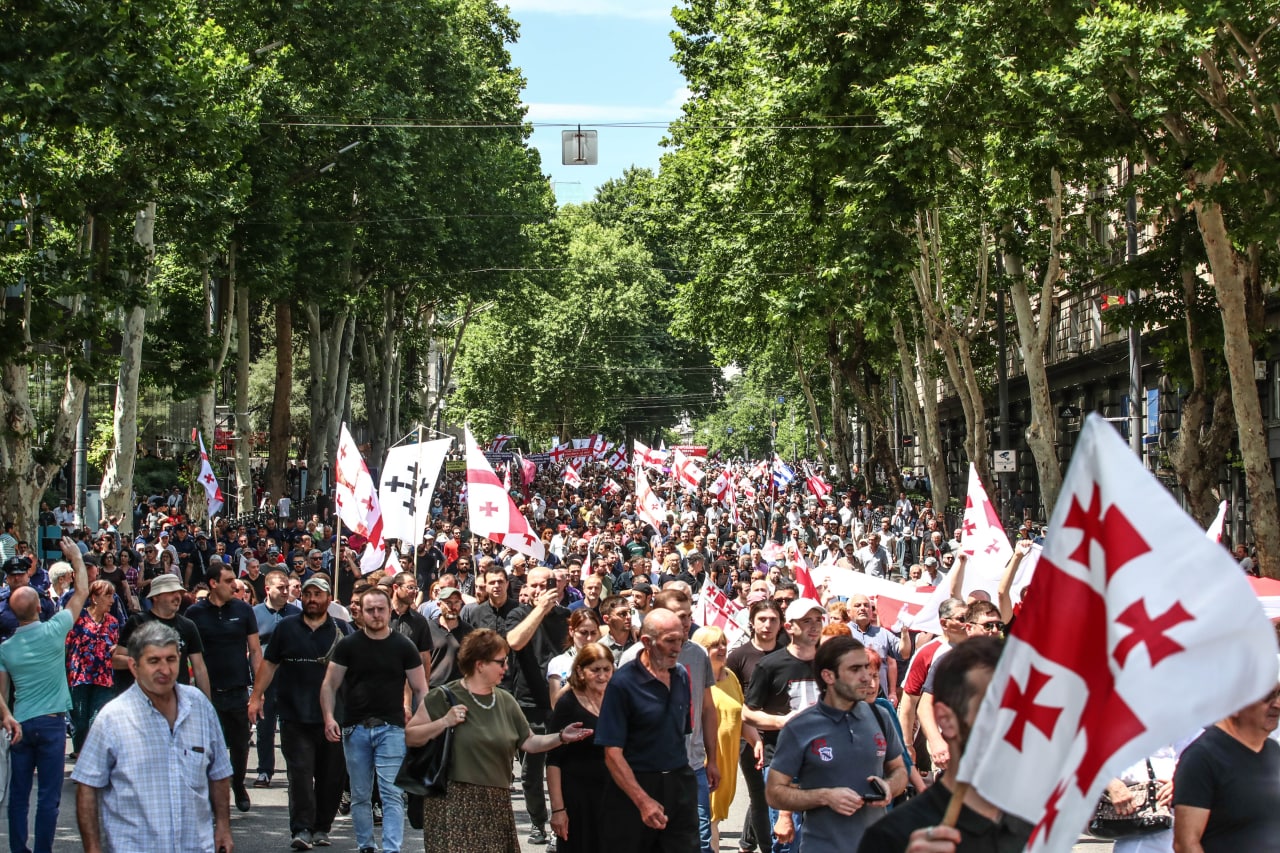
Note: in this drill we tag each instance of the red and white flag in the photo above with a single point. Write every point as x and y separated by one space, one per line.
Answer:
721 487
500 443
560 452
490 511
983 540
356 498
617 459
649 506
506 478
572 478
212 491
685 471
611 487
816 484
715 609
600 447
800 570
1130 604
759 471
649 456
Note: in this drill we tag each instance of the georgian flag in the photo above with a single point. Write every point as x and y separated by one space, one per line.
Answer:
649 506
685 471
816 484
212 491
649 456
1130 606
490 511
611 487
721 487
572 478
500 443
357 501
617 460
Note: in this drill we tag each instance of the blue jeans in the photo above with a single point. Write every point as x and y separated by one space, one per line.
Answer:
796 817
40 753
704 809
368 751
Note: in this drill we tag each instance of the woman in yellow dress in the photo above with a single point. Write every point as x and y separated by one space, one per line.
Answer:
727 693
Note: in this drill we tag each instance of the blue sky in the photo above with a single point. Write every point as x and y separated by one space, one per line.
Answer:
596 62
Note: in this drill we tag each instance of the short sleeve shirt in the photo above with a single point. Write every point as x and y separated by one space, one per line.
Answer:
824 747
39 688
225 632
376 673
485 743
301 655
189 643
646 718
782 683
1238 786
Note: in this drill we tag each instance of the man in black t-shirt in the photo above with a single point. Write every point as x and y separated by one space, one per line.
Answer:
373 664
782 685
294 665
166 597
766 622
405 620
447 631
1227 785
229 630
536 632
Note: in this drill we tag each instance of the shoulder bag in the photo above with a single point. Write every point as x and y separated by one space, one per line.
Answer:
1150 817
425 769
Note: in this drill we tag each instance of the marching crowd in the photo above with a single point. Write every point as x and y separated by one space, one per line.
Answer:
626 724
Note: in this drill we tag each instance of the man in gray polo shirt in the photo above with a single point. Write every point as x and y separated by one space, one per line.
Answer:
828 755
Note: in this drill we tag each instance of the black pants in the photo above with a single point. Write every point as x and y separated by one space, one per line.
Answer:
677 791
755 824
317 772
235 730
267 733
533 771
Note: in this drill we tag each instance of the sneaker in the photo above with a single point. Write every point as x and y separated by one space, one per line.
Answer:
538 836
320 838
368 850
263 781
344 804
551 843
302 841
377 814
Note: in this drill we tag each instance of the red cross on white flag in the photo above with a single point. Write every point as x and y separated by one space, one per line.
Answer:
572 478
357 501
213 493
685 471
982 539
648 456
490 511
649 506
1129 606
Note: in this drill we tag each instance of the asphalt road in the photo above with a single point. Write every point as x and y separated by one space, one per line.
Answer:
265 827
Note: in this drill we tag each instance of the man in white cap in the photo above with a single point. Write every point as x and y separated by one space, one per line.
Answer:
782 686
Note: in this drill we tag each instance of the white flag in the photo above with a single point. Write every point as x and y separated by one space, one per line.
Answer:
212 491
408 481
490 511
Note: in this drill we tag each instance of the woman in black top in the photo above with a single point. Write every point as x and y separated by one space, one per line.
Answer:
576 775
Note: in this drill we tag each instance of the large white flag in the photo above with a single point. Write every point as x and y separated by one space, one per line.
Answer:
212 491
1130 606
490 511
357 501
408 481
983 539
685 471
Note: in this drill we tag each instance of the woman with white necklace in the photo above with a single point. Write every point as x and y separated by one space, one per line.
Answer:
577 776
475 816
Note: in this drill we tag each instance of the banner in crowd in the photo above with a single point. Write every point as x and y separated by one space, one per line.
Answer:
356 501
490 511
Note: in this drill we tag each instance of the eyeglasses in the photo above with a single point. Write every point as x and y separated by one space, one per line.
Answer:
1272 696
502 662
995 627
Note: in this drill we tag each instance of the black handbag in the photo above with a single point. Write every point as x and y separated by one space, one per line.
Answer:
1150 817
425 769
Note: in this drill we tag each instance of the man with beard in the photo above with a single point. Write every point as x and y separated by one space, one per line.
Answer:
293 666
447 632
165 597
960 683
273 610
840 761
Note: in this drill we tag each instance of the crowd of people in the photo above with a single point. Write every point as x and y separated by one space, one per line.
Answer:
626 725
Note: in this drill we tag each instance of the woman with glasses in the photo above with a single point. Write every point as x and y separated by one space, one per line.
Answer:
584 628
475 816
577 775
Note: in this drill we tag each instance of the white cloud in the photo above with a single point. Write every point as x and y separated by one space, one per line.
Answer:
649 10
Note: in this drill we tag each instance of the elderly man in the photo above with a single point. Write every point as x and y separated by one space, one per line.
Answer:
886 643
40 710
17 575
644 720
154 771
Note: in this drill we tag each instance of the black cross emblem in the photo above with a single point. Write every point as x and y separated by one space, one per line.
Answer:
395 485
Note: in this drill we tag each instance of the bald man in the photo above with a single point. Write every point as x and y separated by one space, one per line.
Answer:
38 724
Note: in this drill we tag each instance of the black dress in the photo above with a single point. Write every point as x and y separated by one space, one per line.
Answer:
583 778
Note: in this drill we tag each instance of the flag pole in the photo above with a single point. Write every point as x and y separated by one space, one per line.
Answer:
956 803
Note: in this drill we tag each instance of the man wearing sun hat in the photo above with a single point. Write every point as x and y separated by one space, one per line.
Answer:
165 596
